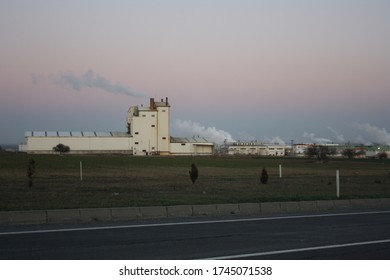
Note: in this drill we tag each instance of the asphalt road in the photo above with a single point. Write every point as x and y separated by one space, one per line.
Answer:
333 236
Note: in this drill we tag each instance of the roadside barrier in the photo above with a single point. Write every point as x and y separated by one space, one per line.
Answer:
176 211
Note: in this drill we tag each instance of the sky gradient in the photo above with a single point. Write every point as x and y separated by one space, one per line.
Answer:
241 70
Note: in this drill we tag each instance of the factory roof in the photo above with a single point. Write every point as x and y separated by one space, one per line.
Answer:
74 134
198 139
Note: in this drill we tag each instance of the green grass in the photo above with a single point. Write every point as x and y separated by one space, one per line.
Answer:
119 181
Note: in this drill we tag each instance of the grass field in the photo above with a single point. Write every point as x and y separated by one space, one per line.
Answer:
119 181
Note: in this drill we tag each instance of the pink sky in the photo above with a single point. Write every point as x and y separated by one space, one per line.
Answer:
255 69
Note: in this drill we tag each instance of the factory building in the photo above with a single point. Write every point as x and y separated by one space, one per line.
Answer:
150 128
148 133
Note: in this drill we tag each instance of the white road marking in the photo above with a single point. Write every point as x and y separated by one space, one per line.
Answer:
192 223
299 250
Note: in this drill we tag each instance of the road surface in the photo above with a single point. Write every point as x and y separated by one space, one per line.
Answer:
349 235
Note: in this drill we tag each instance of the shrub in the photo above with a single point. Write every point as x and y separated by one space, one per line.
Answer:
30 172
264 176
194 173
61 148
382 155
349 153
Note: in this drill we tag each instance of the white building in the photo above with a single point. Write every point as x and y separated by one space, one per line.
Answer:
254 148
300 149
148 133
150 128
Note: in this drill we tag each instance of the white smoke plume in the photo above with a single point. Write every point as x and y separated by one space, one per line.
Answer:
92 80
275 140
246 137
340 138
359 139
375 134
312 137
37 78
212 134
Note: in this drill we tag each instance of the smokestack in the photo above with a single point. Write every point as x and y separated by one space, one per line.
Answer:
166 101
152 104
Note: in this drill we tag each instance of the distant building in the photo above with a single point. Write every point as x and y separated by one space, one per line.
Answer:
300 149
375 150
148 133
254 148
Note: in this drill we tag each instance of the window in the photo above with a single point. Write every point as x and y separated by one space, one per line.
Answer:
129 128
143 115
153 116
153 125
136 143
164 138
183 144
135 132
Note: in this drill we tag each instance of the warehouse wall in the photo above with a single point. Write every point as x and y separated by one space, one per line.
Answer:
190 149
80 144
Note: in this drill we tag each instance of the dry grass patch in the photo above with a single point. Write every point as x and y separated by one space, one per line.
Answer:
118 181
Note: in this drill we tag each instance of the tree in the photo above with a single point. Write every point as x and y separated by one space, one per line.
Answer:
382 155
30 172
61 148
194 173
349 153
321 152
264 176
361 153
311 151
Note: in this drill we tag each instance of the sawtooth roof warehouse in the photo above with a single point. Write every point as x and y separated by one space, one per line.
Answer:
148 133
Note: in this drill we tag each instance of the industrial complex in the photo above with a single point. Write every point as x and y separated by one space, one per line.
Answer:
148 133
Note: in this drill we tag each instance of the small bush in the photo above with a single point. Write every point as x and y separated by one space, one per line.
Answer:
30 172
61 148
264 176
194 173
382 155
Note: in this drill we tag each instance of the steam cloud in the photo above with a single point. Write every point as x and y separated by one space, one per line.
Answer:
340 138
210 133
275 140
90 80
314 139
375 134
37 78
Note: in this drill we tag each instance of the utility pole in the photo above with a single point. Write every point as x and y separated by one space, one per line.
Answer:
337 183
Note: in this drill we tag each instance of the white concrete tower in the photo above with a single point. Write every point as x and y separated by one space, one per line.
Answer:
150 128
163 126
